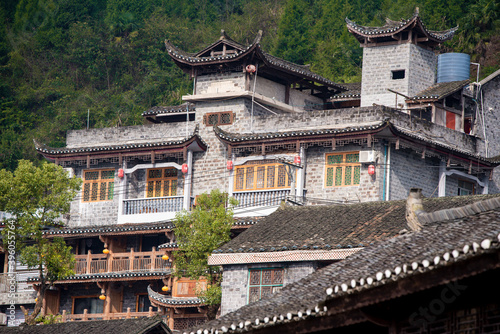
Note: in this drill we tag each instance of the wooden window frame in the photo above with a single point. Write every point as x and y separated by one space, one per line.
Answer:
137 296
344 165
162 181
219 117
201 283
256 180
466 181
109 194
260 285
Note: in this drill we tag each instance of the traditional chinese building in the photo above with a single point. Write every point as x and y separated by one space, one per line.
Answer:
266 131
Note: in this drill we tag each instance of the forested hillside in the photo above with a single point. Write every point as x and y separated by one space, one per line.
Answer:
62 59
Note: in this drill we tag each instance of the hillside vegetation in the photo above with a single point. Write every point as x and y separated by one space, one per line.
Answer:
62 61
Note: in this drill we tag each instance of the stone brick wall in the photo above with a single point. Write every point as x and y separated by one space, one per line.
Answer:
220 83
127 134
235 281
378 62
409 170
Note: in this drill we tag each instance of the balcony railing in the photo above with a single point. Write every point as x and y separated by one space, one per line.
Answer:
120 262
85 316
260 198
152 205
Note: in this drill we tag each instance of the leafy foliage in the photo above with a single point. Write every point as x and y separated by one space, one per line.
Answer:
62 59
198 233
36 197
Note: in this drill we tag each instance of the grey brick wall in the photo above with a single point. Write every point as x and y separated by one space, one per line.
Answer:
235 281
378 62
409 170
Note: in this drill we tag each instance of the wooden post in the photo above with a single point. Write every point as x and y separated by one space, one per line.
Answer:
153 259
63 319
150 313
85 316
110 261
107 301
127 316
131 259
89 258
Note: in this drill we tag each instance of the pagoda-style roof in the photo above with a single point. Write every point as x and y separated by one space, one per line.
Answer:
226 54
119 151
438 91
412 30
106 230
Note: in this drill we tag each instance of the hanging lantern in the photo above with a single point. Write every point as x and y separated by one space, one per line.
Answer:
185 168
102 297
105 251
165 288
229 165
121 173
165 257
297 160
371 170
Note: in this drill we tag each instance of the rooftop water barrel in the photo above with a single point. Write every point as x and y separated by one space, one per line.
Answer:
453 67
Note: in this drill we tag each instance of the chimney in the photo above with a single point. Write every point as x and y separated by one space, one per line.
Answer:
414 207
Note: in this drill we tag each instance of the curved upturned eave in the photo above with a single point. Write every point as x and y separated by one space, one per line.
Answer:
361 32
190 59
61 153
160 300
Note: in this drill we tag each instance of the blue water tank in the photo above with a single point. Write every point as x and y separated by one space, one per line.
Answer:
453 67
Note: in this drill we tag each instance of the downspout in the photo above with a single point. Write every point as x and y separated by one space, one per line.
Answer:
385 172
253 95
187 181
388 171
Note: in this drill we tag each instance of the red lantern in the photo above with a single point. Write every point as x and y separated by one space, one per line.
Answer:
229 165
121 173
185 168
296 160
371 170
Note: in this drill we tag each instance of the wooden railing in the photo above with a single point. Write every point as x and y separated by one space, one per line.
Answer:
120 262
152 205
260 198
85 316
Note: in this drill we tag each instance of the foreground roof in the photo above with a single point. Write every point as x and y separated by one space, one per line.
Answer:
334 226
122 326
464 244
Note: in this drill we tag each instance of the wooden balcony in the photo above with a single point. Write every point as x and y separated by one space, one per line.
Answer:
85 316
120 262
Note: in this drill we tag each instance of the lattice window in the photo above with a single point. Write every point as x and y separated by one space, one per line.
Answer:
342 169
218 118
264 282
185 323
263 176
161 182
98 185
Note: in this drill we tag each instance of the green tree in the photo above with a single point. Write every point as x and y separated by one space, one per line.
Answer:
36 197
198 233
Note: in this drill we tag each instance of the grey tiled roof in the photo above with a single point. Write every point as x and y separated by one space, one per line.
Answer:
337 226
406 257
353 91
51 151
241 137
392 27
167 300
122 326
109 229
440 90
113 276
170 109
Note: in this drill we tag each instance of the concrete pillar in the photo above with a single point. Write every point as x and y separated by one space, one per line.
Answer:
188 181
442 179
